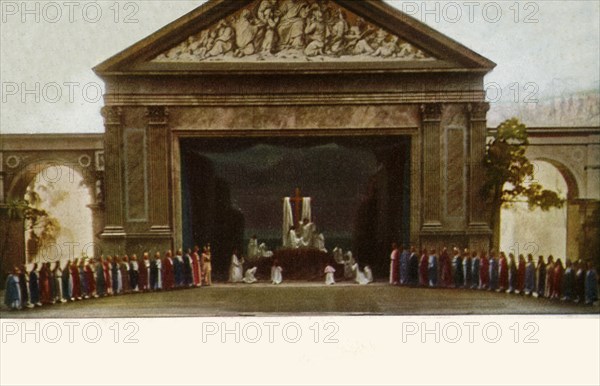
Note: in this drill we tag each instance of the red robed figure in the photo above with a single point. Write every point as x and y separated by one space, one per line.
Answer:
557 281
168 274
196 268
107 277
143 275
45 295
76 281
446 268
89 275
484 271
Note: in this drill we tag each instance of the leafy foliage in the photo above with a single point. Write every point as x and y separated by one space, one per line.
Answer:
510 174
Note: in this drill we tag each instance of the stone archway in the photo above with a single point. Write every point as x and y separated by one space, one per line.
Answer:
24 157
576 209
538 232
67 232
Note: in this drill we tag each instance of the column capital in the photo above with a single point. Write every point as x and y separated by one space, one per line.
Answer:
432 111
478 111
157 115
112 115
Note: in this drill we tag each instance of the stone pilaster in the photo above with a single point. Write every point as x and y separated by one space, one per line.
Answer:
478 213
159 161
113 173
431 133
478 230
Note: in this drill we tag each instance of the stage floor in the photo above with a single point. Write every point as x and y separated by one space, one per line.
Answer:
305 299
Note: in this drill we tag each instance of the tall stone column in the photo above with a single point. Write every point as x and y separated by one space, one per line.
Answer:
2 199
113 173
478 216
160 161
431 134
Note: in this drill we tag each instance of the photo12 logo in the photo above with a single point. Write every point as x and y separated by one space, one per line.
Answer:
269 332
52 92
471 11
469 332
69 332
53 12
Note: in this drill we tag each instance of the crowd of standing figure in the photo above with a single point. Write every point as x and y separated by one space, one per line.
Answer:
52 283
574 281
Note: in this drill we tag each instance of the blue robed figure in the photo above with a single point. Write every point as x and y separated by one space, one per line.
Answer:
178 271
188 278
116 278
67 282
34 286
12 294
413 268
404 261
432 269
475 266
100 282
591 285
493 273
467 270
568 284
457 269
85 287
529 276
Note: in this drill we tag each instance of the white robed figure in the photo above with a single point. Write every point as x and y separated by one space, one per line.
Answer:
288 224
236 270
369 274
360 277
276 274
320 243
349 263
338 255
264 252
253 252
294 242
258 251
329 275
250 276
302 234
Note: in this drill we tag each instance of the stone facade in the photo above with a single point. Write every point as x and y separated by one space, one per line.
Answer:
164 89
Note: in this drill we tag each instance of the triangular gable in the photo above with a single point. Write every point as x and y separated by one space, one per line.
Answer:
271 32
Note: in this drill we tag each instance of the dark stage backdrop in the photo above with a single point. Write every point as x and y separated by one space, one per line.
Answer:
233 188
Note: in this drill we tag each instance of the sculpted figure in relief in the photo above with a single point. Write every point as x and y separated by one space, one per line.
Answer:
306 30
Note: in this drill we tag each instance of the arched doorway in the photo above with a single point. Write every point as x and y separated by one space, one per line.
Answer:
536 231
65 228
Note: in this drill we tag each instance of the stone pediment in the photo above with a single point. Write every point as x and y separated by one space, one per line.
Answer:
239 34
293 30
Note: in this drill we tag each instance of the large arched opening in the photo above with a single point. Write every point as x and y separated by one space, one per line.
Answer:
542 232
65 230
63 188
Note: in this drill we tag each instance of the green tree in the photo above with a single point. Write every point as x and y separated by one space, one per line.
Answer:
510 175
17 210
42 227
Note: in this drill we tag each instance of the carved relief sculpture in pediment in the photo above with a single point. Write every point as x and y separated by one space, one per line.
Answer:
293 30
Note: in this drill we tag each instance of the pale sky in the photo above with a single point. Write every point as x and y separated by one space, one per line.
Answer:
557 50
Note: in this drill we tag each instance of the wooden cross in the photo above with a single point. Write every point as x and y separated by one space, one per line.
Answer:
297 200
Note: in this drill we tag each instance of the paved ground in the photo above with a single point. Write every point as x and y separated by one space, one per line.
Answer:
304 299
